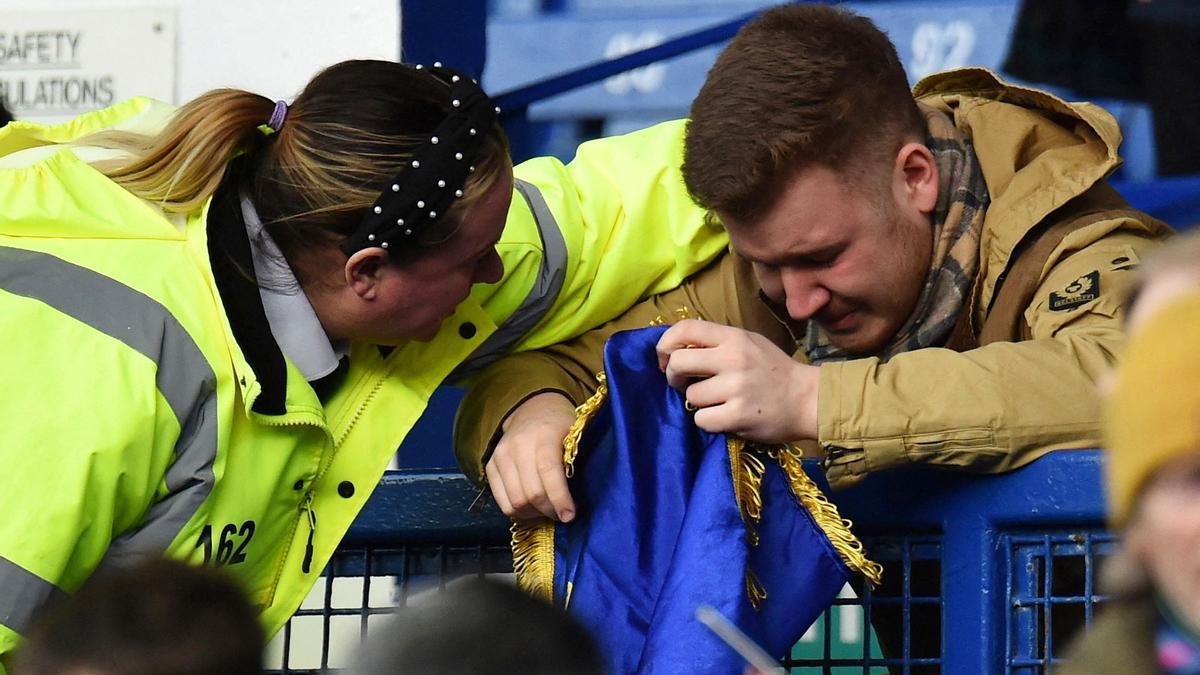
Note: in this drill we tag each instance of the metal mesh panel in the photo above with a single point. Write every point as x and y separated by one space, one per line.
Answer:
897 627
1052 593
905 612
360 586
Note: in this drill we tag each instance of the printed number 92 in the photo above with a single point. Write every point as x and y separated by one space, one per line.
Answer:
937 46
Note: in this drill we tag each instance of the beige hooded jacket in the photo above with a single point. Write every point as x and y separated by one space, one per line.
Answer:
1028 389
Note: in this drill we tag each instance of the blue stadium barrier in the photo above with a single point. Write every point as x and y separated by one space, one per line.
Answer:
1017 553
637 62
929 36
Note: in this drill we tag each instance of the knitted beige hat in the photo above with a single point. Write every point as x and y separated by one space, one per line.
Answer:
1153 415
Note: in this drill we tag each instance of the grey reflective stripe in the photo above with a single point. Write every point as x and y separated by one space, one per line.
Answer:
184 377
541 297
22 594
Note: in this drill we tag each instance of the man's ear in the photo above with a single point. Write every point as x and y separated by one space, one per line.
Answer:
364 270
916 175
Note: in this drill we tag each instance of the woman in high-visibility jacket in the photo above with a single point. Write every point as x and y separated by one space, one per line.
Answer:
220 322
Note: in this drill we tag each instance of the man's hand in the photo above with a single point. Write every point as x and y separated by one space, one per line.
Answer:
741 382
526 473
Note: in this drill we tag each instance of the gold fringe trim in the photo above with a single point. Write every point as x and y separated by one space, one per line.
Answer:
748 471
583 414
533 541
533 558
836 528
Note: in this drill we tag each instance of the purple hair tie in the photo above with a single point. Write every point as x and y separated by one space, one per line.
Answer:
278 116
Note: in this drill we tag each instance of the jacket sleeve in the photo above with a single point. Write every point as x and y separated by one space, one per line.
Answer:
587 240
993 408
724 292
84 443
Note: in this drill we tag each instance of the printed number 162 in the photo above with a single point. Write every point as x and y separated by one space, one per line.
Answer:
231 545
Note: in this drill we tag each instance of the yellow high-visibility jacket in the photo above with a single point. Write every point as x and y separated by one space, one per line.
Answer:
145 414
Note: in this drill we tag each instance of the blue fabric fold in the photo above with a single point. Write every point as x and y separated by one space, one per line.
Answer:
659 533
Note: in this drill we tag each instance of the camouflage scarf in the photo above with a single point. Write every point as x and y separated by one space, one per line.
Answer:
957 223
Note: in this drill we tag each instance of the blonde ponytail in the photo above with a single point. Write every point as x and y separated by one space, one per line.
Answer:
348 136
181 167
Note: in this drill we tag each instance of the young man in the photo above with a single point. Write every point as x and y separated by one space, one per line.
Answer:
944 264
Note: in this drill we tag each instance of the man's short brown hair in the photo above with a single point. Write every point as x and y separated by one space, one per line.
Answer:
800 85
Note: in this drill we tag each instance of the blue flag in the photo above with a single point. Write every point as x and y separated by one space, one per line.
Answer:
670 518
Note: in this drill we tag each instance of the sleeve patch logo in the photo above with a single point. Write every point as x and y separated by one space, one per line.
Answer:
1079 292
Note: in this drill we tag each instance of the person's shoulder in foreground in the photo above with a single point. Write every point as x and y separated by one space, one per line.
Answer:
1152 475
484 627
157 617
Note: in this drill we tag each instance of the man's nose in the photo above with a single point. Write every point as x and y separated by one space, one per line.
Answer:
805 294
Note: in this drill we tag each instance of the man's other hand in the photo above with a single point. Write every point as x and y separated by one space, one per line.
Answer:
526 473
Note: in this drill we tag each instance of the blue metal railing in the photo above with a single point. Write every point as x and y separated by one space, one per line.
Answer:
985 525
517 101
985 574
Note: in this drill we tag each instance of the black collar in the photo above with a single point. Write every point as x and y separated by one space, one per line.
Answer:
233 269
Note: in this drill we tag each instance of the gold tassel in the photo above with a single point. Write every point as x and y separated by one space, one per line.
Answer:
748 471
836 528
533 558
754 590
583 414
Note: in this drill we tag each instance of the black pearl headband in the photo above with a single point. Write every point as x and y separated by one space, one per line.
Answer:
434 178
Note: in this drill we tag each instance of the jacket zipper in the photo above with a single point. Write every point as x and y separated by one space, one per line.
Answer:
305 512
366 401
834 453
306 508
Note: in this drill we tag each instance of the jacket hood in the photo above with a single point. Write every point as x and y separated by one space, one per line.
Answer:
1036 151
46 179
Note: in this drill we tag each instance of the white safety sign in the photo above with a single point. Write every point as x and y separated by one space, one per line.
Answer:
55 65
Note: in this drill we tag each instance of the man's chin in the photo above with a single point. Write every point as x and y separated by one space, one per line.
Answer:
857 343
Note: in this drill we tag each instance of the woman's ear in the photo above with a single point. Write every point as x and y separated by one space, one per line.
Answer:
363 271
